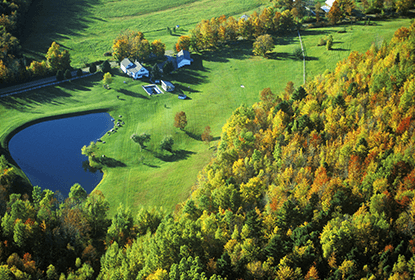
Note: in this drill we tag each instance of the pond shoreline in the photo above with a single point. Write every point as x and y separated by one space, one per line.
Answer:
6 151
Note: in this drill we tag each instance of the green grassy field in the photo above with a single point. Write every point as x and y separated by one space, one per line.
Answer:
213 83
87 28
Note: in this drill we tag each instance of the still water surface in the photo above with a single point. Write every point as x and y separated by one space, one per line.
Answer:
49 153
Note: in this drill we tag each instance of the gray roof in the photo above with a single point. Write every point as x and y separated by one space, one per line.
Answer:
132 67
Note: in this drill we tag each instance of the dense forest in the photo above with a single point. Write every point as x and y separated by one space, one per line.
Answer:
314 182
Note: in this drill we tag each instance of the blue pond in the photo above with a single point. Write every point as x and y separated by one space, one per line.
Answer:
49 153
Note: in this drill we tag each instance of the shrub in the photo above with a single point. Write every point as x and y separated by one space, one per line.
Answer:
68 74
322 42
106 67
92 68
79 72
59 75
329 43
298 53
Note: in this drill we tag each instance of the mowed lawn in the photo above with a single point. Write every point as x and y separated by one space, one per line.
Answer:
216 83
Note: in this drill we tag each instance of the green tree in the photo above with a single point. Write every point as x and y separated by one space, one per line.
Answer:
59 75
180 120
96 207
167 143
92 68
78 193
141 139
106 67
68 74
155 72
121 226
168 67
329 43
51 273
79 72
263 44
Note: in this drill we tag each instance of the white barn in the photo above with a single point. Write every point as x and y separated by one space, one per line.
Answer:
167 86
183 58
134 70
327 7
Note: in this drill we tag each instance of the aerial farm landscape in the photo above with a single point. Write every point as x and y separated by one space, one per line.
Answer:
194 139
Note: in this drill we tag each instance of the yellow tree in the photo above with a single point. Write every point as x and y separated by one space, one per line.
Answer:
107 78
56 59
263 44
158 48
120 49
183 43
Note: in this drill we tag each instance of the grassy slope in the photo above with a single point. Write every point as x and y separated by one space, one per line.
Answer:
88 27
213 82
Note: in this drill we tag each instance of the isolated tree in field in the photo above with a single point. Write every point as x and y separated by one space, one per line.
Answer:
141 139
167 143
206 136
329 43
183 43
180 120
92 68
263 44
68 74
107 78
106 67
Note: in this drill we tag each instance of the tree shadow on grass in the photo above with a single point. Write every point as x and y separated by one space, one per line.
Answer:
132 94
26 102
109 162
194 136
175 156
151 165
55 20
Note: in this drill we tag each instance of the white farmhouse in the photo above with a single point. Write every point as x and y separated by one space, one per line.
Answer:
134 70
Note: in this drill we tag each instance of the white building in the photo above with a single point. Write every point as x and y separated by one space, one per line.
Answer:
134 70
183 58
327 7
167 86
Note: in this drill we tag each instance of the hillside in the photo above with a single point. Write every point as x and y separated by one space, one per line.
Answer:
317 184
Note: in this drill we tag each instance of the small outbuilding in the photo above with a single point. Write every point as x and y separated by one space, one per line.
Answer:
134 70
167 86
183 58
152 89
